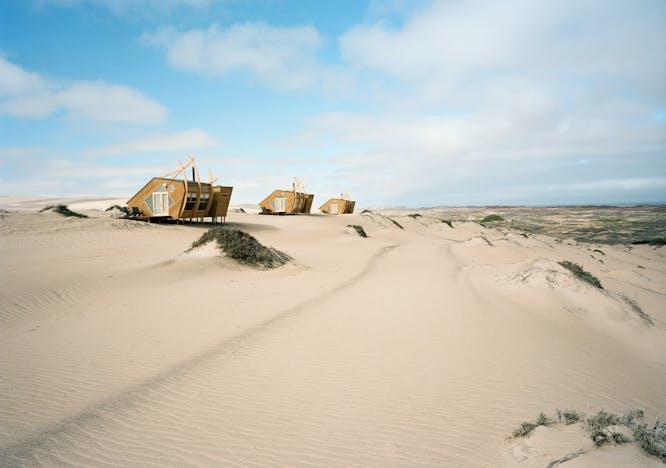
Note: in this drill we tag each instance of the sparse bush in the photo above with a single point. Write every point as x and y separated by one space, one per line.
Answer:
395 222
597 250
447 221
366 211
652 440
653 241
414 215
242 247
526 428
359 229
568 416
492 218
581 274
122 209
63 210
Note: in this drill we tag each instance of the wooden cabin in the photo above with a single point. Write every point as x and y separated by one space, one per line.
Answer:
294 201
171 198
338 206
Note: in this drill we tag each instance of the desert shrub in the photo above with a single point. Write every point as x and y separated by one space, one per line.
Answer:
63 210
581 274
568 416
652 440
652 241
395 222
447 221
414 215
492 218
527 427
597 250
637 309
122 209
242 247
366 211
359 229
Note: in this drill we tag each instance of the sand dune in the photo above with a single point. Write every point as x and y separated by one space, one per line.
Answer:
420 345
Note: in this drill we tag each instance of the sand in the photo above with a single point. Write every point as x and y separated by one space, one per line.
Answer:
418 346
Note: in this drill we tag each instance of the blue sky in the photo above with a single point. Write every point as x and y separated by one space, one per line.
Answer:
412 103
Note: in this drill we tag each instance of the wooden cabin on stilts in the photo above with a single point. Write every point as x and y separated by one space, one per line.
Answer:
288 202
337 206
172 198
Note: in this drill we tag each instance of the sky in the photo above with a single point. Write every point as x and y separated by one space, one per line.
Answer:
395 103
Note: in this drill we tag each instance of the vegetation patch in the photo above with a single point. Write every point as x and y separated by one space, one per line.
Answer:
599 251
602 428
123 209
527 427
63 210
653 241
395 222
581 274
447 221
568 416
414 215
637 309
366 211
242 247
493 218
359 229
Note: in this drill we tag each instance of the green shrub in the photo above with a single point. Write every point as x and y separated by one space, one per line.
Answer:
652 241
123 209
63 210
652 440
359 229
492 218
526 428
581 274
242 247
568 416
395 222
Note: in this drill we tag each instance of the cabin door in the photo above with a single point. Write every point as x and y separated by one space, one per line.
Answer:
160 204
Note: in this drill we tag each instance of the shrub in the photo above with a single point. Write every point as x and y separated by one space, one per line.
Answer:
597 250
526 428
63 210
395 222
366 211
581 274
359 229
653 241
122 209
652 440
242 247
568 416
447 221
492 218
414 215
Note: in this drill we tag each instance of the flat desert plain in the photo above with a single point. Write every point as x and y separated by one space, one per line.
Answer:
424 344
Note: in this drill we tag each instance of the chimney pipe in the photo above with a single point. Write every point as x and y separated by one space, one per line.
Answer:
193 178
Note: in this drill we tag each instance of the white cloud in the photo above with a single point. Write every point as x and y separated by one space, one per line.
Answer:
284 57
185 141
28 95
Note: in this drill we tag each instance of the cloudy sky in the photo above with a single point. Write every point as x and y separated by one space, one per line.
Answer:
413 103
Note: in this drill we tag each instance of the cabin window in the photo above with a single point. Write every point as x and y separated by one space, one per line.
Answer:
203 202
334 208
190 201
